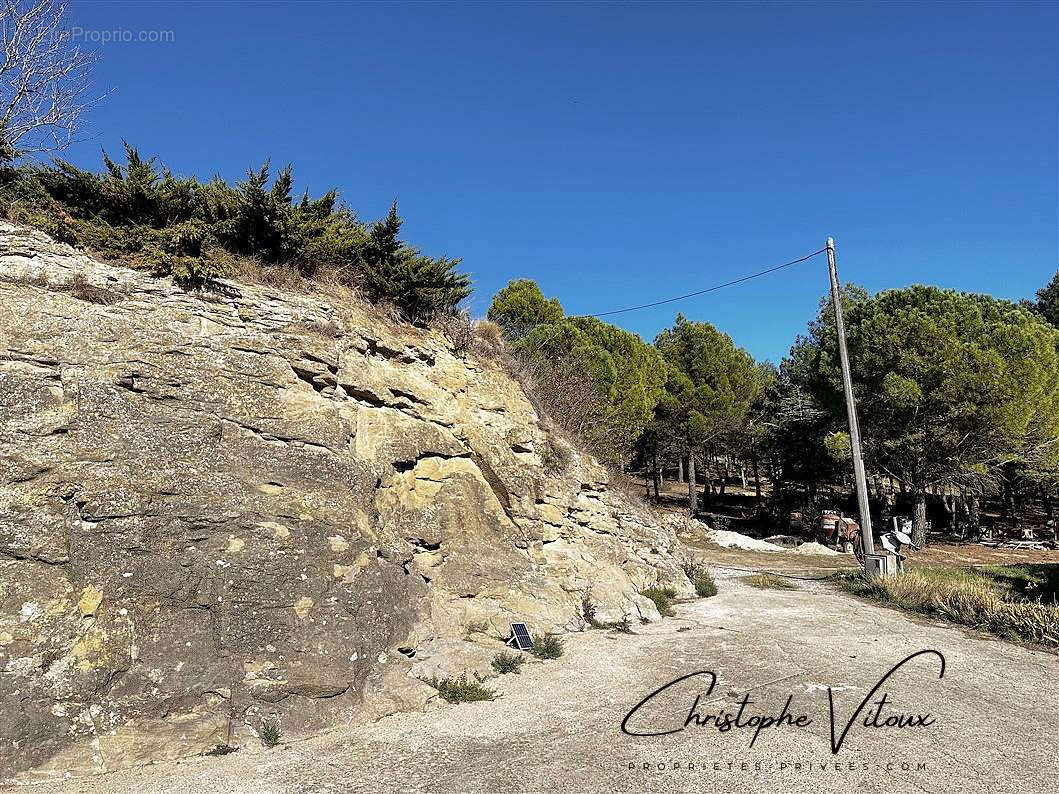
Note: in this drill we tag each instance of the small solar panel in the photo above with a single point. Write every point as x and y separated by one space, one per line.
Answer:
520 637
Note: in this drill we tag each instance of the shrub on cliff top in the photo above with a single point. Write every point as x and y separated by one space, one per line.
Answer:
142 214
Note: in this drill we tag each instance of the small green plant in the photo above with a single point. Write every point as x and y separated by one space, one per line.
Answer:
705 585
588 610
505 662
461 690
547 647
768 581
221 749
270 732
663 598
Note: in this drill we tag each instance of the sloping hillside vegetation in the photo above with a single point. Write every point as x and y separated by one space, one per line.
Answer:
140 213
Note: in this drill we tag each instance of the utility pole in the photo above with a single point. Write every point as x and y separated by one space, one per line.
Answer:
851 408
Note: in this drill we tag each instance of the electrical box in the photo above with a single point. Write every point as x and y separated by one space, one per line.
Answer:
876 565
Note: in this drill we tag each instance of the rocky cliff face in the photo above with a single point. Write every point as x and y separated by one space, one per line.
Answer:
217 508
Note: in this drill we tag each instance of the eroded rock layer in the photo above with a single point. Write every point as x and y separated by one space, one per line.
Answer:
216 508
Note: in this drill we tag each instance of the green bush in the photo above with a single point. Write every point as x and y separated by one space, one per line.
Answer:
270 732
705 585
420 287
461 690
588 610
505 662
140 213
663 598
547 647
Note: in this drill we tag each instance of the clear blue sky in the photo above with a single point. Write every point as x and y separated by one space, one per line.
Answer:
619 153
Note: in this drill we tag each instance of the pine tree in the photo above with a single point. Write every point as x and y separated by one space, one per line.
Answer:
1048 301
419 286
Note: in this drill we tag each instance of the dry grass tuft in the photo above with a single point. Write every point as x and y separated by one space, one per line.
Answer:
1000 600
79 287
768 581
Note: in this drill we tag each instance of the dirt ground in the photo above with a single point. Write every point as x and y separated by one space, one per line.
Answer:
557 726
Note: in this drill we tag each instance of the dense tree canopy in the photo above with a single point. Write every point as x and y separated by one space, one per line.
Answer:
711 383
950 386
570 356
710 386
520 307
1048 301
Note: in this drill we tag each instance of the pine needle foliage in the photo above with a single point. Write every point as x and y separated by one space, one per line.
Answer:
140 213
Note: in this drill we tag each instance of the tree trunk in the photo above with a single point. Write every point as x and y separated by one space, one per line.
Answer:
973 517
757 478
707 483
1006 500
680 470
919 516
657 477
950 509
693 491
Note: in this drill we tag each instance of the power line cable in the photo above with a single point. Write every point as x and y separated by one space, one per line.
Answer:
704 291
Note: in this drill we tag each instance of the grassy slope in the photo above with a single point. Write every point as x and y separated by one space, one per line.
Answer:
1015 602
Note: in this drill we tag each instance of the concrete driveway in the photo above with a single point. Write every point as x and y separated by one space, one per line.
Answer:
556 727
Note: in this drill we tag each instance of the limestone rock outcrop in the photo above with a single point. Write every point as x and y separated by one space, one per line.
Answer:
221 507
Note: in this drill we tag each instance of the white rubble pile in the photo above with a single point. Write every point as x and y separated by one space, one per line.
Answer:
735 540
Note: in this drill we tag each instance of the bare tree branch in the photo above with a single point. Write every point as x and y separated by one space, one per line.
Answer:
44 78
